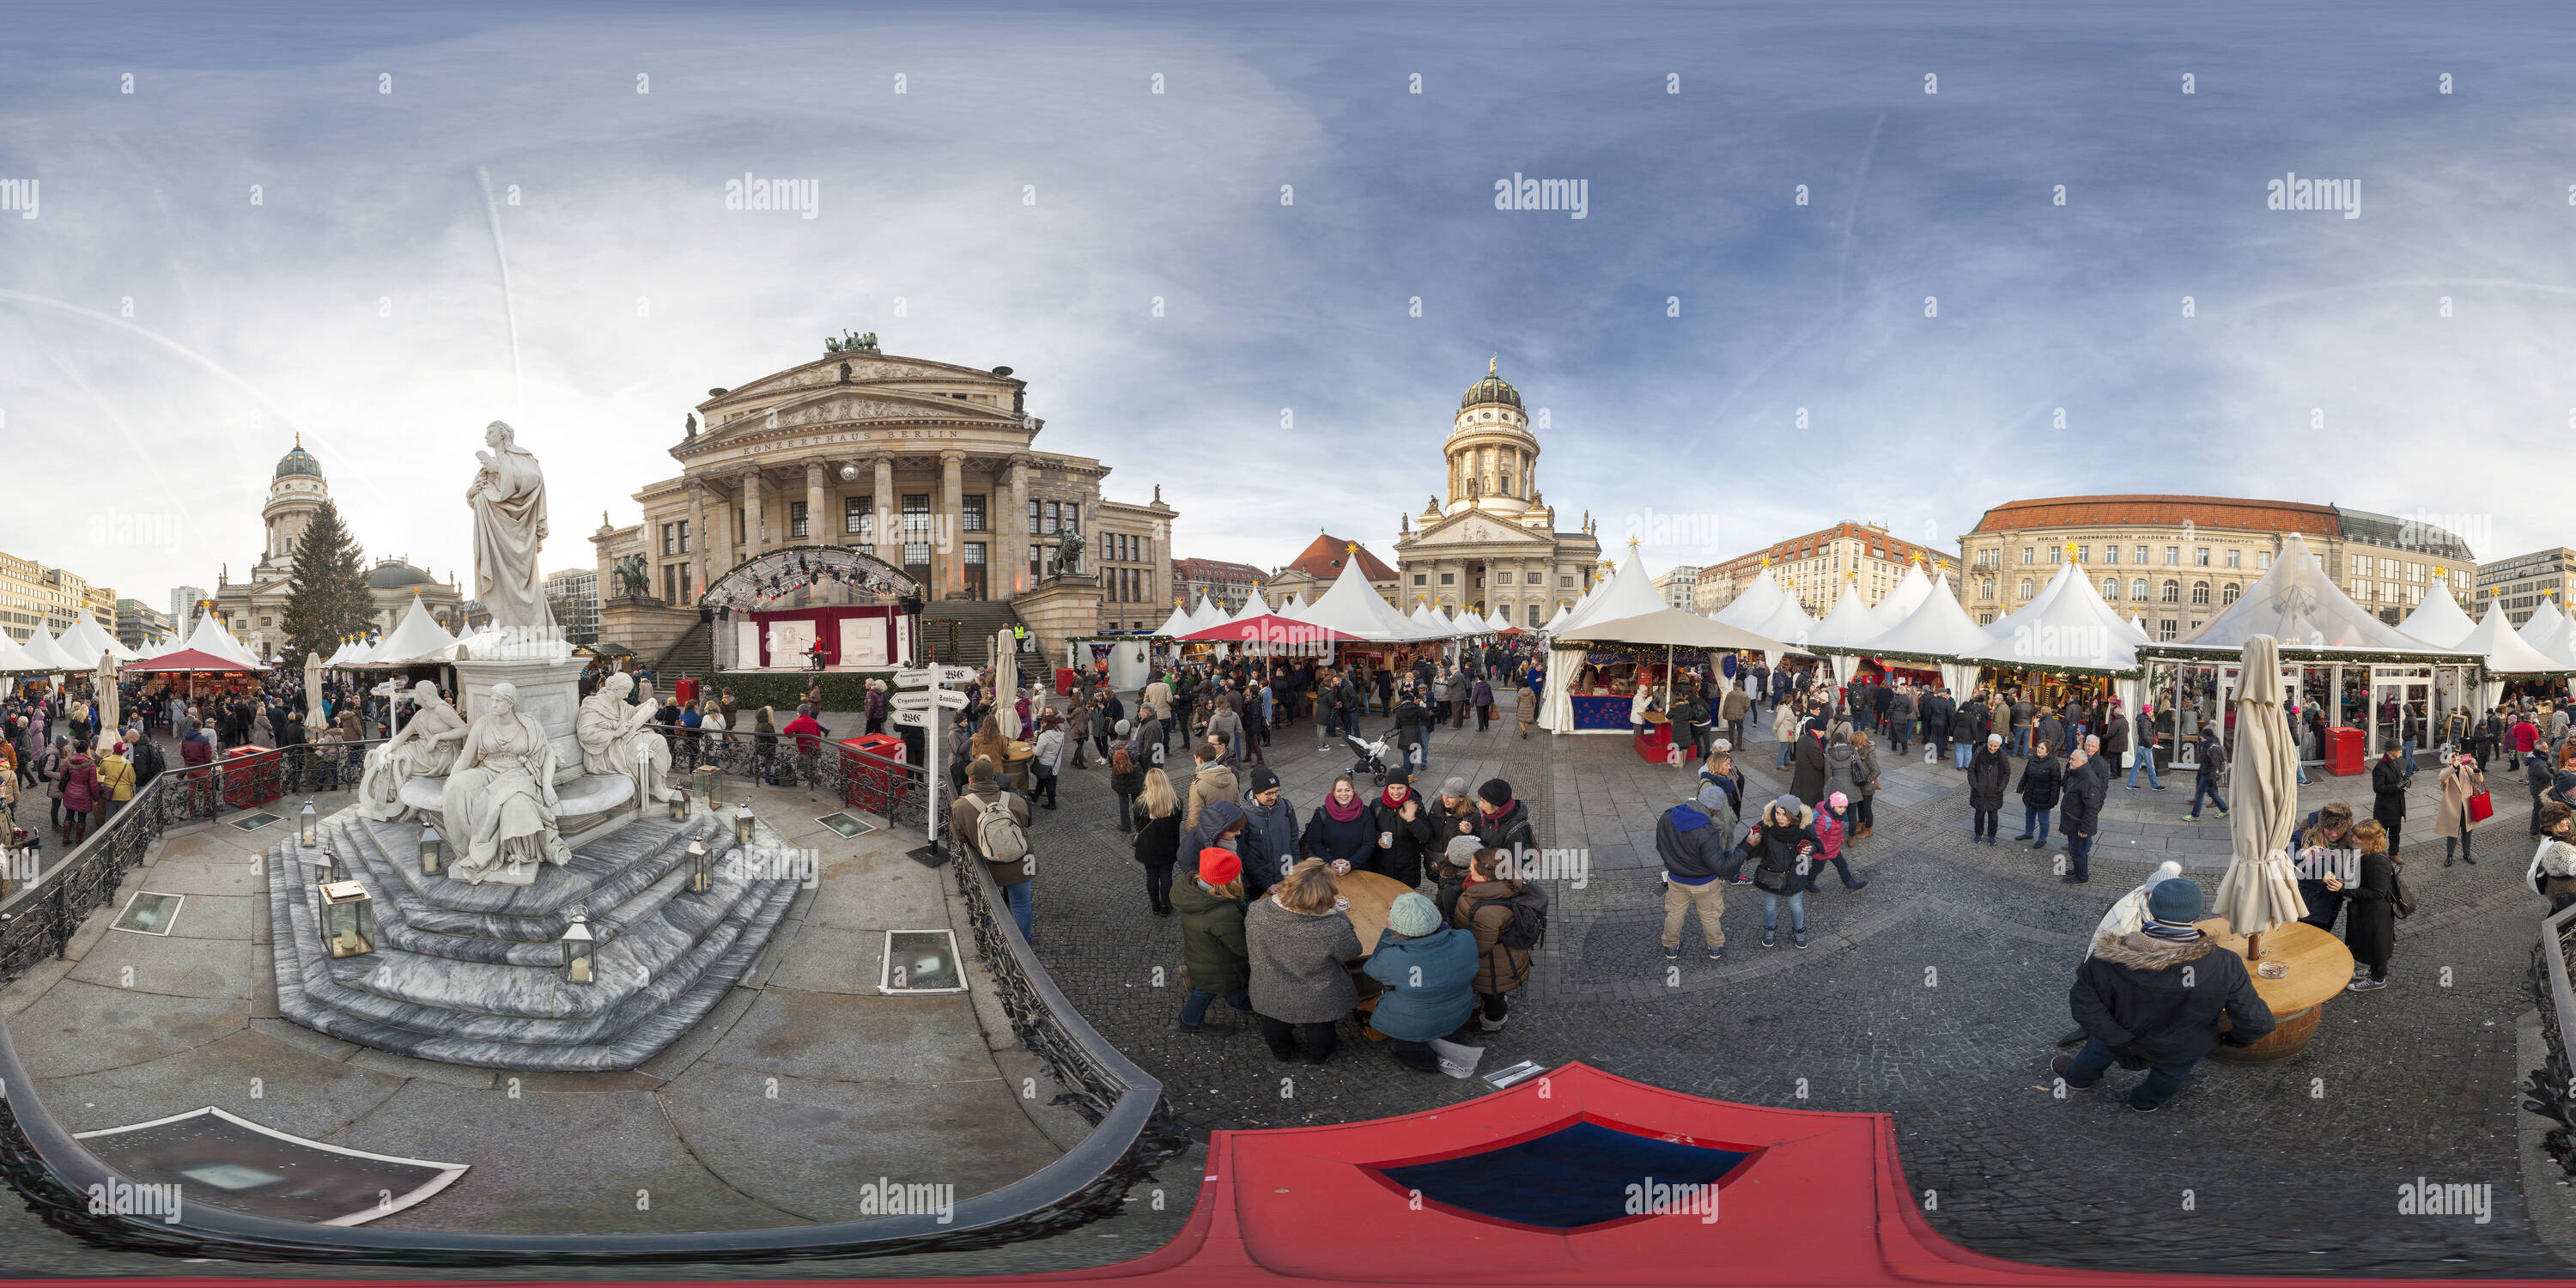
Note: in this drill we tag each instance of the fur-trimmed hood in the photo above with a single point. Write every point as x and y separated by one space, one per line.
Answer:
2142 951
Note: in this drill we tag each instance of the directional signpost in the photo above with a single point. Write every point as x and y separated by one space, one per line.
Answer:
912 710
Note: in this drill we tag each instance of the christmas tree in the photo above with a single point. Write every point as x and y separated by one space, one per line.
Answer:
326 599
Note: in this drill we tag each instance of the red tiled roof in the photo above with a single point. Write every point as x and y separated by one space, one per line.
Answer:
2198 511
1322 560
1898 549
1216 570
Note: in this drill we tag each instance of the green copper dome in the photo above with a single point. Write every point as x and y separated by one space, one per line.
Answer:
298 461
1491 389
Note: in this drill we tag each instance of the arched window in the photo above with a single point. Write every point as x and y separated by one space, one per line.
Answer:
1989 591
2227 594
2173 591
2138 590
2110 588
2025 587
2200 592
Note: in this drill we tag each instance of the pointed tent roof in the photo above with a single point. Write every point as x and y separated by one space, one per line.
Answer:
1756 605
416 638
1252 608
2438 621
1350 605
1911 589
1463 623
1177 624
1788 623
1848 623
2546 629
1628 593
1937 629
1562 612
2508 653
1207 614
50 652
94 641
2071 630
1296 600
1422 615
2297 604
14 659
1497 622
209 648
1677 627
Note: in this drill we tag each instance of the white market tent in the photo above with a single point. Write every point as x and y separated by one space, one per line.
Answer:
2297 604
1423 616
91 641
1563 611
1497 622
1207 614
2133 627
1252 608
2507 655
1353 607
46 652
416 638
1848 623
2546 629
1463 623
1629 592
2072 630
1937 631
1665 625
1911 590
15 660
1755 606
211 639
1176 624
2438 621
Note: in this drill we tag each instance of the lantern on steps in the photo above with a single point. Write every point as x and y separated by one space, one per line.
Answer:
705 777
348 919
310 825
679 806
742 823
430 851
702 868
576 945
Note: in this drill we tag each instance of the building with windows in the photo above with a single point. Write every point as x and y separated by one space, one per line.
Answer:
1679 586
139 623
2176 561
255 609
573 597
1312 572
2519 584
183 608
925 465
1492 544
32 594
1815 565
1229 584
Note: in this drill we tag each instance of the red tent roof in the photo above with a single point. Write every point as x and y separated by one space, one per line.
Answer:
1271 628
187 659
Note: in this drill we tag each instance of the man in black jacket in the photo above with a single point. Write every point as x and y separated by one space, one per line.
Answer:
2080 815
1693 839
2153 999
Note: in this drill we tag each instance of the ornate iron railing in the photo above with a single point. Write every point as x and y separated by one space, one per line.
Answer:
891 789
40 916
2550 1090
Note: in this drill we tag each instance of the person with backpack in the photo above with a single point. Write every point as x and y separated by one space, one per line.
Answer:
1210 780
1694 839
992 823
1429 970
1833 828
1783 846
2213 763
1507 918
1126 776
1214 959
1503 823
148 762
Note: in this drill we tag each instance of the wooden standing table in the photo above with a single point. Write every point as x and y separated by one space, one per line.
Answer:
1371 894
2320 967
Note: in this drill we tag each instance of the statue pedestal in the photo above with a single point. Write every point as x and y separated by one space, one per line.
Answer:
549 690
1058 609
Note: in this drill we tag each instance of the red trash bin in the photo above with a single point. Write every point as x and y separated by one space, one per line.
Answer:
2343 750
1064 677
686 691
247 780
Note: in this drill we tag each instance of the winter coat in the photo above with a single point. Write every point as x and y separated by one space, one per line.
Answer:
1868 778
1403 859
1430 983
115 777
1213 782
1269 846
1784 722
2388 790
1483 694
1988 771
2043 778
2458 785
965 820
1809 769
1508 831
2131 995
1843 772
1131 783
1332 840
1297 971
2079 810
2115 737
1483 911
1775 847
2370 929
80 784
1693 845
1525 709
1212 947
2051 731
1732 707
1158 842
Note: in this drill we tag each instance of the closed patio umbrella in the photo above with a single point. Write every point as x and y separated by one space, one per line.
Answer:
2261 889
1006 682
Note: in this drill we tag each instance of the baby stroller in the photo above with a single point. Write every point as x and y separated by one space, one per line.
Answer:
1369 757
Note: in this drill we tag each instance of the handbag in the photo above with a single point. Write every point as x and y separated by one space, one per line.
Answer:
2481 807
2397 896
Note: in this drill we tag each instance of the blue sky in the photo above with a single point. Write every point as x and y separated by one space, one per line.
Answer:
361 301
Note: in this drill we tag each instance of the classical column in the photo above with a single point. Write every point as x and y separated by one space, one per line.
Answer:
1017 525
952 515
888 513
755 514
698 531
814 529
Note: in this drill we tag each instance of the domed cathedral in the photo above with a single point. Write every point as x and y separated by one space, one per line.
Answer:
255 608
1492 543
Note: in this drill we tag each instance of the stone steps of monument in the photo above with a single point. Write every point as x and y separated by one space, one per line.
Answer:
630 889
704 947
975 621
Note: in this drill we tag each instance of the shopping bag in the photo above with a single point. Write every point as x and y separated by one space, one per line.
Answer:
2481 807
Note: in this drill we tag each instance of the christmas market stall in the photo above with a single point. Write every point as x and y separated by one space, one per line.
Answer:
1643 650
814 608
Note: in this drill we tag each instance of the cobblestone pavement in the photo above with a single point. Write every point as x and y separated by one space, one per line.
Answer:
1935 995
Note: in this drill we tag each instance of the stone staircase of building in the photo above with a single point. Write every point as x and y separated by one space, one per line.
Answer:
691 654
960 631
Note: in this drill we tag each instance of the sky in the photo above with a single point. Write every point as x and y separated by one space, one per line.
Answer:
1888 263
